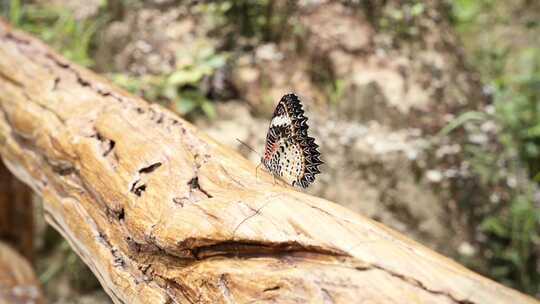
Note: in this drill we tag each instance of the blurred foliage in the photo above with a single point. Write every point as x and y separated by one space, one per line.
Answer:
510 68
58 262
335 90
400 20
186 89
264 20
57 27
183 88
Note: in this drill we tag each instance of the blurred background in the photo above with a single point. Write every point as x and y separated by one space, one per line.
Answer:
427 112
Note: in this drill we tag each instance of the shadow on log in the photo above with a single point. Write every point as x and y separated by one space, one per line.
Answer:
163 214
16 213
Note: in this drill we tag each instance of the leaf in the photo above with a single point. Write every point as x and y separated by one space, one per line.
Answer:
205 52
513 257
209 109
417 9
216 61
500 271
15 12
130 84
534 131
521 206
494 225
187 76
185 105
537 177
170 92
461 119
466 10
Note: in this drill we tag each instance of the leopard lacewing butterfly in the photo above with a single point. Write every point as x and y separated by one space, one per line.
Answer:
289 152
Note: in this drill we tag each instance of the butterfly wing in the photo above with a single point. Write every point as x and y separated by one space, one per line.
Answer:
289 152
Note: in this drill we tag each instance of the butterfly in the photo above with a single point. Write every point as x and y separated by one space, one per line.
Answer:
290 153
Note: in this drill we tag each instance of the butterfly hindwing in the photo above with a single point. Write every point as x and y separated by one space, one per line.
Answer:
289 152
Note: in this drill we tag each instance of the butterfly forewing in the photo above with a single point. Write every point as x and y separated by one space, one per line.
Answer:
290 153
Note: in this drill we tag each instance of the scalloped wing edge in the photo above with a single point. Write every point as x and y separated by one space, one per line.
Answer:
307 143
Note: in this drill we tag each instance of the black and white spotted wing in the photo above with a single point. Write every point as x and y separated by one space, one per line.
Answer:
289 152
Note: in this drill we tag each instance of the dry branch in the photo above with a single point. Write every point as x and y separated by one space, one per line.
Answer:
163 214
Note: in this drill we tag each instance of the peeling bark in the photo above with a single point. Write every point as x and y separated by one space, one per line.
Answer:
163 214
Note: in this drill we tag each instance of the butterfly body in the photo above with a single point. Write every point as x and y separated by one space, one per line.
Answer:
290 153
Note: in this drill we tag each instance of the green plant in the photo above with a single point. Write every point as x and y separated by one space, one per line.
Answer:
511 224
518 105
69 258
264 20
58 28
509 220
461 120
512 243
65 264
183 88
401 20
336 90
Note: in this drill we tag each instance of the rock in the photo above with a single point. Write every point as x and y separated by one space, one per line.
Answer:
377 122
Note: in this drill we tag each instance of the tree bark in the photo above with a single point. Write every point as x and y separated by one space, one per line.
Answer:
18 283
16 213
163 214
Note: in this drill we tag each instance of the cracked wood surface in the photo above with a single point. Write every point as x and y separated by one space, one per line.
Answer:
163 214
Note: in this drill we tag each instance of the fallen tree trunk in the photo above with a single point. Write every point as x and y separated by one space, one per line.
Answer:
163 214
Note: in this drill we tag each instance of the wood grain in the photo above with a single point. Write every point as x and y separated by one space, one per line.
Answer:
162 213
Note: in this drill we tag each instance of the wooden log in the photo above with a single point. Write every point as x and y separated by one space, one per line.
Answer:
16 213
163 214
18 283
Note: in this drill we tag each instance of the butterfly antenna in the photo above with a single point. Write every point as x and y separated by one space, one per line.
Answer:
248 146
